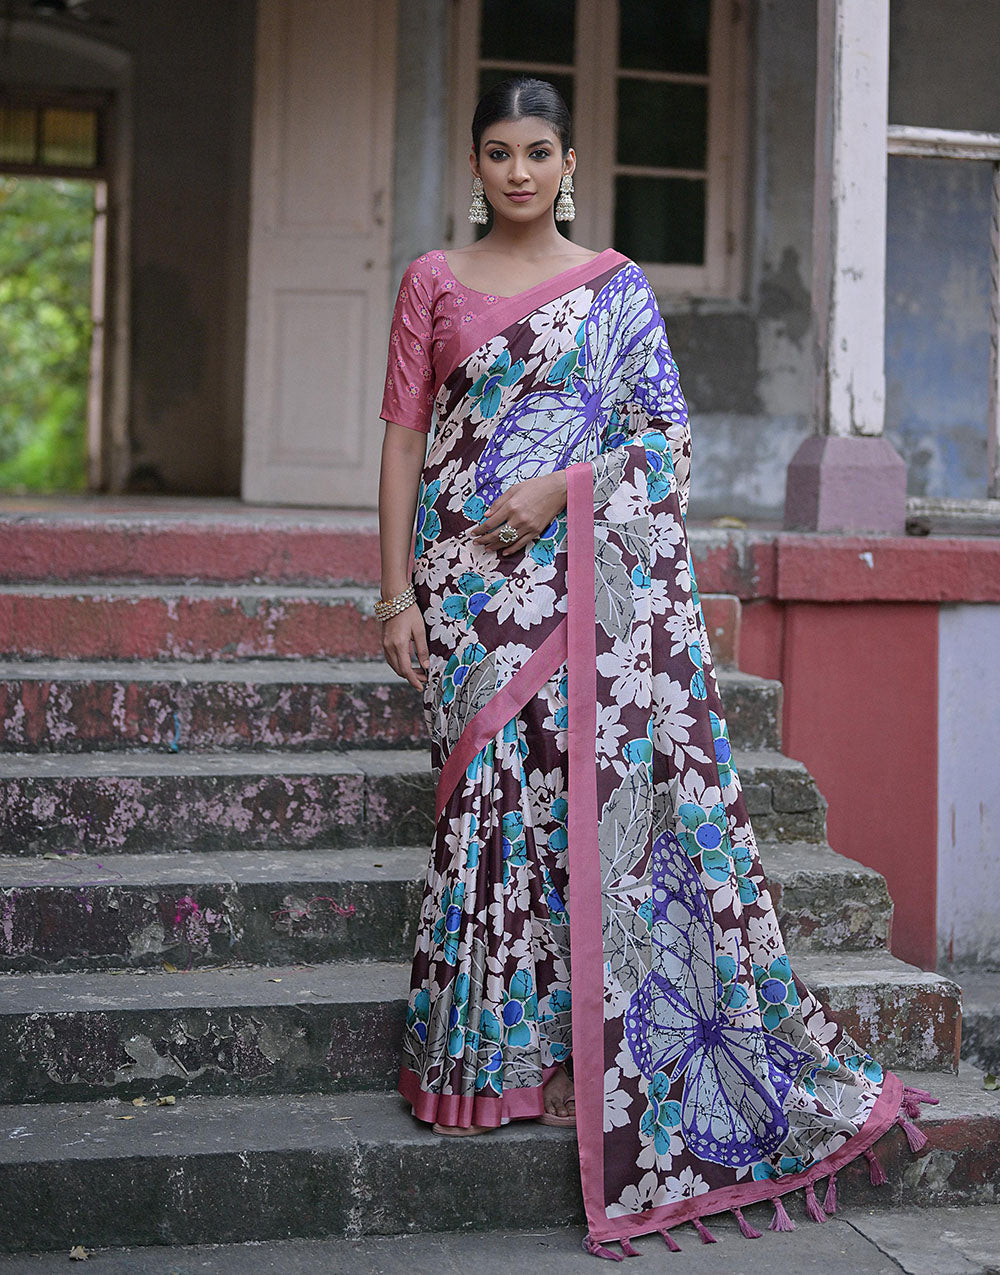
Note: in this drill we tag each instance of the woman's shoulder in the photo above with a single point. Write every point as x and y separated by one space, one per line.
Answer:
426 268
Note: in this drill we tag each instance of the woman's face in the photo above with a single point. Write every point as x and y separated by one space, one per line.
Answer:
521 164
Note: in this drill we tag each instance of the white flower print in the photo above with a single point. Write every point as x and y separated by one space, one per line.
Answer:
616 1101
686 1185
665 534
671 724
556 322
628 666
482 360
543 790
509 659
682 627
526 600
609 730
763 934
627 503
636 1196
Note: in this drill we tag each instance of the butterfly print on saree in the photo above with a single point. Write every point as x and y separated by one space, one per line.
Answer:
550 429
736 1076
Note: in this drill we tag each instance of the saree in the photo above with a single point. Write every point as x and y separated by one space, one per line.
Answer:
594 892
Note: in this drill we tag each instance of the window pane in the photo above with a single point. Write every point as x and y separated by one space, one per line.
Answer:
489 76
17 135
69 137
528 30
663 35
660 219
662 125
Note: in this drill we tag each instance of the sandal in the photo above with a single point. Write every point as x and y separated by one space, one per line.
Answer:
460 1131
560 1122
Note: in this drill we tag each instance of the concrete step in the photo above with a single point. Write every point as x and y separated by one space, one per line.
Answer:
229 1170
981 1017
267 1028
187 622
137 802
136 911
903 1015
947 1240
232 1029
254 705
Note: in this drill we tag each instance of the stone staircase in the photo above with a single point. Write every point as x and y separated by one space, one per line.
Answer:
215 808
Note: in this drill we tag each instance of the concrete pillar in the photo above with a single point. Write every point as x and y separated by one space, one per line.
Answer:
847 477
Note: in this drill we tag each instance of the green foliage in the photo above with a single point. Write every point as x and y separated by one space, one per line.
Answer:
45 265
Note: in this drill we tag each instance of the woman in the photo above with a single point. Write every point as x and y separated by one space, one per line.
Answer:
594 898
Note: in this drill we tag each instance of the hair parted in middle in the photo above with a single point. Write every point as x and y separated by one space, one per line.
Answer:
516 99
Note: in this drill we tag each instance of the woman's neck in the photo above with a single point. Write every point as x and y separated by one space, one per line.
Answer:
529 242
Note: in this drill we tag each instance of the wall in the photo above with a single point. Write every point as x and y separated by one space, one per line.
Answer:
968 780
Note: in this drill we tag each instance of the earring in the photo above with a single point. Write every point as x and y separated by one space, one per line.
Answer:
478 213
565 208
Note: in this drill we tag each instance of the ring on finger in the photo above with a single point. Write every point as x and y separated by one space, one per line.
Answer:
507 534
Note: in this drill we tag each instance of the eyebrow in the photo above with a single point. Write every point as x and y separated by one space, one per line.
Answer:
495 141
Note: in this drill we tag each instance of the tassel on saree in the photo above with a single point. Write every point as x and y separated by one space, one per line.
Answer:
598 1250
628 1248
746 1230
830 1199
670 1242
706 1235
914 1136
813 1209
876 1173
781 1221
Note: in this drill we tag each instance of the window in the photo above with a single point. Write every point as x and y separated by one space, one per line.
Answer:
656 88
58 137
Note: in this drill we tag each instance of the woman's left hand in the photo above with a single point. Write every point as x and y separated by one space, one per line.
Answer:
528 507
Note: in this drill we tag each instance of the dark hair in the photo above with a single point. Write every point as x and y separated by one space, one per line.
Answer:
516 98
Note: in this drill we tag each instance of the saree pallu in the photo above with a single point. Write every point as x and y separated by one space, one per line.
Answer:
594 890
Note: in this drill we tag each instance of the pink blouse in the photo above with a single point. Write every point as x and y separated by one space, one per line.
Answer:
430 306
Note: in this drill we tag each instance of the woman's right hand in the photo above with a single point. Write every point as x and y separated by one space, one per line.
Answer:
401 633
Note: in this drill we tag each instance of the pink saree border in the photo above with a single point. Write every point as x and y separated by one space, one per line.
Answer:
504 705
586 942
508 310
468 1109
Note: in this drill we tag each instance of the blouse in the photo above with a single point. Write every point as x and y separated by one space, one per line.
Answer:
430 305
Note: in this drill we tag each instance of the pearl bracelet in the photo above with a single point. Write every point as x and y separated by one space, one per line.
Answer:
386 610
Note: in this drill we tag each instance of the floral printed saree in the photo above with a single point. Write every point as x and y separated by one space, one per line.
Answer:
594 891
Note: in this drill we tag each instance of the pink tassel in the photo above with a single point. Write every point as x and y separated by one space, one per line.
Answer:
912 1098
781 1221
706 1235
830 1199
812 1204
876 1173
598 1250
921 1095
628 1248
914 1136
670 1242
746 1230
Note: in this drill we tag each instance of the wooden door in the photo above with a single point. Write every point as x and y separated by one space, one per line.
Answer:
319 289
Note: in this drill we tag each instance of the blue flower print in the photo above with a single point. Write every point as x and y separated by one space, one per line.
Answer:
661 1116
864 1063
457 669
554 901
458 1016
428 520
488 389
732 993
559 837
571 363
659 466
698 690
417 1015
749 891
515 851
723 750
487 1040
474 595
475 509
560 1001
776 991
706 833
520 1007
472 848
544 546
450 921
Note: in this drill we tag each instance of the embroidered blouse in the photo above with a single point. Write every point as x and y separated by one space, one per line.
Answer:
430 305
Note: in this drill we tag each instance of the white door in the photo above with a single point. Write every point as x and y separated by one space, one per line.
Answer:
319 293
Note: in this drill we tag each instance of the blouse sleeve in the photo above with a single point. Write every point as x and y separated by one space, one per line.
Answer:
408 398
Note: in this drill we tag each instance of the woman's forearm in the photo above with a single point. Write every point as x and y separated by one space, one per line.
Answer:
402 461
